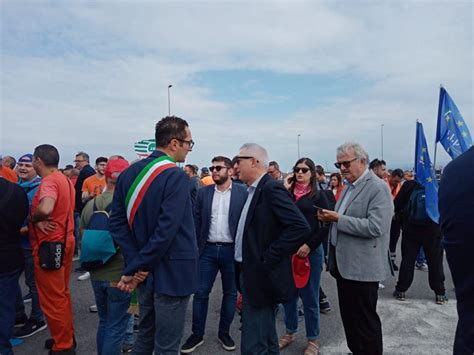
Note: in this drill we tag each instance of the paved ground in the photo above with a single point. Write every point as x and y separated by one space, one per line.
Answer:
416 326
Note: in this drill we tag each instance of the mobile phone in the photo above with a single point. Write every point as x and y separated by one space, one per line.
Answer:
318 208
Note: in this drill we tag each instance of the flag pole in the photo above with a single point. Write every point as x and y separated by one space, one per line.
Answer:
436 143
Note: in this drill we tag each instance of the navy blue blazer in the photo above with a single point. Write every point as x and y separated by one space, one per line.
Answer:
456 209
162 239
274 230
203 211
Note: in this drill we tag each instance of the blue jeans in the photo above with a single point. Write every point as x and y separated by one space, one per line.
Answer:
9 289
259 335
161 323
214 258
310 297
112 307
421 258
36 313
128 339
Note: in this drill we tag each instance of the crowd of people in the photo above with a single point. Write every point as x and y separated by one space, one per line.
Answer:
150 234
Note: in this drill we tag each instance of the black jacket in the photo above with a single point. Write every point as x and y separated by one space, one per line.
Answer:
306 206
274 230
13 211
401 202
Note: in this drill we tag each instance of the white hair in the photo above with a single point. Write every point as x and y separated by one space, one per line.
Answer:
258 152
359 152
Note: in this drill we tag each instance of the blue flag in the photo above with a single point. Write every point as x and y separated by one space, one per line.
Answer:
425 174
451 130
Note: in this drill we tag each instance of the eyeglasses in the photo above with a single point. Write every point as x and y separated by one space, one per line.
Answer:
239 158
217 168
79 161
190 142
303 170
346 163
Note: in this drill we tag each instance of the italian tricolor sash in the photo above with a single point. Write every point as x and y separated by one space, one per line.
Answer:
142 183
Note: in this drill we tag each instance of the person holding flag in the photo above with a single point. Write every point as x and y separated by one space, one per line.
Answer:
452 132
417 206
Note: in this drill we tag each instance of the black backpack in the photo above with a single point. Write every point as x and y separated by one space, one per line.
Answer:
416 208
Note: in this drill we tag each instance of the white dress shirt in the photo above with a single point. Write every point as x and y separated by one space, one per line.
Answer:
219 231
243 217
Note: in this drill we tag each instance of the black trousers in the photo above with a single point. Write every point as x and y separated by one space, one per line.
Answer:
431 244
358 307
395 229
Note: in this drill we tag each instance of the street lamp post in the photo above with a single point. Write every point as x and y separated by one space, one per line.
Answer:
381 138
169 102
298 144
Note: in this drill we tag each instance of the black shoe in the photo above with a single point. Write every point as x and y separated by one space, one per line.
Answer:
400 296
127 348
191 344
441 299
80 269
226 341
27 298
20 320
324 306
48 344
31 327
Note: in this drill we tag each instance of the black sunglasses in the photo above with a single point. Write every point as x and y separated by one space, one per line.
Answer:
190 142
303 170
346 163
217 168
239 158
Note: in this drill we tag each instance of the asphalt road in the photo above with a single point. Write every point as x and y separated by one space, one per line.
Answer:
416 326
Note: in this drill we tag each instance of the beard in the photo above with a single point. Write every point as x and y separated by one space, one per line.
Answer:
220 180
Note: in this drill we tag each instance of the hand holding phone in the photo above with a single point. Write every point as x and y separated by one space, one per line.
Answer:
318 208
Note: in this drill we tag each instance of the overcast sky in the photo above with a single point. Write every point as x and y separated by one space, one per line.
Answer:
93 76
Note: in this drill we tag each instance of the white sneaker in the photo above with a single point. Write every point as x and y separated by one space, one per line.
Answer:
93 308
381 286
83 277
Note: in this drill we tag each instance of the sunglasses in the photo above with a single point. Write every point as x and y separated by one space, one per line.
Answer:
239 158
217 168
302 170
190 142
346 163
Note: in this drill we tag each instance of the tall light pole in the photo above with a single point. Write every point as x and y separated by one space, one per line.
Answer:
169 105
381 138
298 143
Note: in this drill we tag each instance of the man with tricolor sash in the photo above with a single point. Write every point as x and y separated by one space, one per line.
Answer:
152 222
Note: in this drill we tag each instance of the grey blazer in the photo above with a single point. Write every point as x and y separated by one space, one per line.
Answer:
363 232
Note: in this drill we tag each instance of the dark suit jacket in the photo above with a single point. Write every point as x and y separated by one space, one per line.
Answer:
203 211
274 230
456 209
162 239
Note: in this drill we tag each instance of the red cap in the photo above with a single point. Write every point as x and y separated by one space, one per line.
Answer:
115 167
301 270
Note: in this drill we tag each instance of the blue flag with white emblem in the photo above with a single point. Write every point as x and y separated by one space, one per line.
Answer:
451 130
425 174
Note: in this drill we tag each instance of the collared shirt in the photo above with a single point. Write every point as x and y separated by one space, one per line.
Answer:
243 217
344 201
219 231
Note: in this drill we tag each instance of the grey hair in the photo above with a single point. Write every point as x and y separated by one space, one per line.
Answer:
84 155
359 152
257 151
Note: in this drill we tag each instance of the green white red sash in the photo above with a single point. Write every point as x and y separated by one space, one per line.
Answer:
142 183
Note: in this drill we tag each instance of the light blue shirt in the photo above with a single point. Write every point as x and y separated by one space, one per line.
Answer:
342 206
243 218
